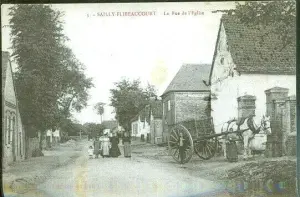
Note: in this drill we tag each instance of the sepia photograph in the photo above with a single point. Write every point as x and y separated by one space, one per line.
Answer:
181 99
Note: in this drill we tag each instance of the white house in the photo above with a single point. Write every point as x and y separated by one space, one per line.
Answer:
140 124
13 133
245 63
52 137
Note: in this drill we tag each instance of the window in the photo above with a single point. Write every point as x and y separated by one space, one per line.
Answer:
169 105
8 130
222 60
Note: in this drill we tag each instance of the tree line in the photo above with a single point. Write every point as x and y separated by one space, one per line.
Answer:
50 80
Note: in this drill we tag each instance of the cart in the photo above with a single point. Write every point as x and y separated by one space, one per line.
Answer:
199 137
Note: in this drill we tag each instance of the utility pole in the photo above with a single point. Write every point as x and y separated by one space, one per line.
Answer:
80 133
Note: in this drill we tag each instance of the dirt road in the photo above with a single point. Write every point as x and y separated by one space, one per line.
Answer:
123 177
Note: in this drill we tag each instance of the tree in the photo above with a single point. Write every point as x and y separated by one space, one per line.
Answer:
94 129
128 98
99 107
50 81
280 15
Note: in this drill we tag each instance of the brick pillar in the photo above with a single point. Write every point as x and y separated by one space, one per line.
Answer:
246 106
291 137
275 101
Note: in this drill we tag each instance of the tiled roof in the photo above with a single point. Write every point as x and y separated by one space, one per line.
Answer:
252 54
5 61
190 78
110 124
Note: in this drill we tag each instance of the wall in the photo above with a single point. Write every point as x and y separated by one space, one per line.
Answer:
168 116
10 94
32 144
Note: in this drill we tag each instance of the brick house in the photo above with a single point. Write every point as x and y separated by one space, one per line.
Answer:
245 67
13 134
186 96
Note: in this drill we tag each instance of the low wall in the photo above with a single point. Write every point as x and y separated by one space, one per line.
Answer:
31 145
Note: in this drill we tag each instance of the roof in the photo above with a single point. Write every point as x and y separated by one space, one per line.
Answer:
253 54
110 124
190 78
5 61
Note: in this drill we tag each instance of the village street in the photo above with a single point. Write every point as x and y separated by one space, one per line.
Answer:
122 177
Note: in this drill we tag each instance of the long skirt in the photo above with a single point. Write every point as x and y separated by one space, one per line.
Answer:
127 149
115 151
105 148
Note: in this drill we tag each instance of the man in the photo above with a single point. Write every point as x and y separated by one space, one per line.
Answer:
181 147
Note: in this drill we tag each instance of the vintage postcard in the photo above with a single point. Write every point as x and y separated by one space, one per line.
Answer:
149 99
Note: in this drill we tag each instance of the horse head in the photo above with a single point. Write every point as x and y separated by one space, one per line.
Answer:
266 125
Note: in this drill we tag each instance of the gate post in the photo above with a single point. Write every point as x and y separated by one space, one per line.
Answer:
246 107
275 101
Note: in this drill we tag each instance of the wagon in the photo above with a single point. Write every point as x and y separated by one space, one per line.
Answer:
199 137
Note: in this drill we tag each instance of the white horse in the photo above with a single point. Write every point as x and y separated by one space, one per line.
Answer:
246 129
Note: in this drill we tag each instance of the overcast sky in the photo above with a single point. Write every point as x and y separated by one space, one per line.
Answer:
151 48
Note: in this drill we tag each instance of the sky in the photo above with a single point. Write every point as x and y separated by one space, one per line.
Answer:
151 48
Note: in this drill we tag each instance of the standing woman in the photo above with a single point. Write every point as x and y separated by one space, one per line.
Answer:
127 145
105 145
96 147
115 151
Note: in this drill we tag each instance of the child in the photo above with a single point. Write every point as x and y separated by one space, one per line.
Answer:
91 152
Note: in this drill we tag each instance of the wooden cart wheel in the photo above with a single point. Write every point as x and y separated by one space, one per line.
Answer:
174 144
206 148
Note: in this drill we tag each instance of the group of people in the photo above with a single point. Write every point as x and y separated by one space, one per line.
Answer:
109 146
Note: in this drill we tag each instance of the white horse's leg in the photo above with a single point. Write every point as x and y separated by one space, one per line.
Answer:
246 146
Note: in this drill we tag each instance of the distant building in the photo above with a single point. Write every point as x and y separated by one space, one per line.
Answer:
139 124
52 137
13 134
186 97
149 121
109 125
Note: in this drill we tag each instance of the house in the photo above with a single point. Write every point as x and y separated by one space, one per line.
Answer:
149 121
52 137
109 125
250 73
186 97
243 64
13 134
140 123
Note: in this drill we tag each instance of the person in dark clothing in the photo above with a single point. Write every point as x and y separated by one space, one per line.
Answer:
96 147
127 145
115 151
181 148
